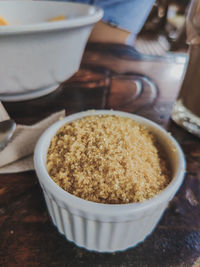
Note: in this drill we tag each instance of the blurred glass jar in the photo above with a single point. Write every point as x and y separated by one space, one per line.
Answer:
186 110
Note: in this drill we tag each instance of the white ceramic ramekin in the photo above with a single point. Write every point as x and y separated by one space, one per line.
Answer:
107 227
37 55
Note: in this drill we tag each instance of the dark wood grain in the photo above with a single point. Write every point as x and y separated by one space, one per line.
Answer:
106 79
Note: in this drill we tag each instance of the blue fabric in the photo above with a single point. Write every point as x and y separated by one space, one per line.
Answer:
129 15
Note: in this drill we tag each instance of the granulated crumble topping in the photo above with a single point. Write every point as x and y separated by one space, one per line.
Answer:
107 159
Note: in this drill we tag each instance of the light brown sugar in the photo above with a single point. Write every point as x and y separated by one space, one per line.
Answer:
107 159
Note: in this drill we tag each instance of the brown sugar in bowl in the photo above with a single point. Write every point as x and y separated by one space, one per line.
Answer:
102 225
107 159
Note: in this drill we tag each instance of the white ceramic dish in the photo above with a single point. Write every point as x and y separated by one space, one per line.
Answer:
106 227
37 55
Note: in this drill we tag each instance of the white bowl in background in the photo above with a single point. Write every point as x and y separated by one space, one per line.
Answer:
107 227
37 55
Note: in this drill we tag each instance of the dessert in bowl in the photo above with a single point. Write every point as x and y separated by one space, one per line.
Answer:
112 219
39 52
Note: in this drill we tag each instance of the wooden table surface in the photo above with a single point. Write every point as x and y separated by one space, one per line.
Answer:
111 76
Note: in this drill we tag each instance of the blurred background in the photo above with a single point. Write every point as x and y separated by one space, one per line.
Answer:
164 30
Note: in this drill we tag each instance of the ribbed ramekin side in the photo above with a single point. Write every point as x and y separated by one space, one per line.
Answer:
72 226
98 235
116 236
138 230
49 207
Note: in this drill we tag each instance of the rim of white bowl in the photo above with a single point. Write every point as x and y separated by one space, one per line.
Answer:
98 209
95 15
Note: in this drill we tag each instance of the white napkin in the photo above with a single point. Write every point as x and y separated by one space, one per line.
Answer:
17 156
